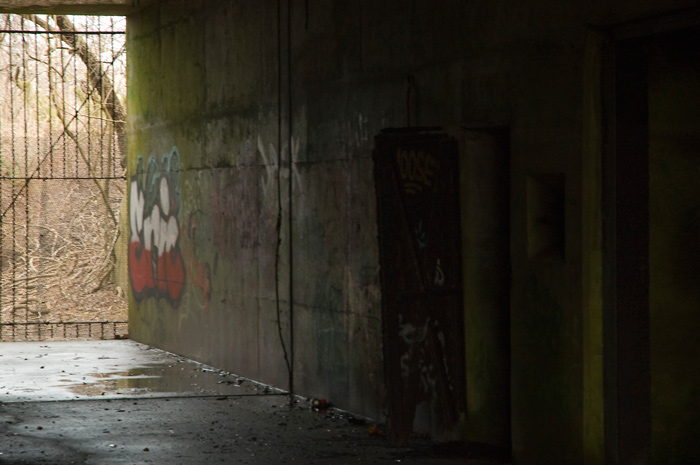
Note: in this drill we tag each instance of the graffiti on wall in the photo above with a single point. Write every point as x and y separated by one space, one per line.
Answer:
269 159
425 365
156 267
417 169
198 273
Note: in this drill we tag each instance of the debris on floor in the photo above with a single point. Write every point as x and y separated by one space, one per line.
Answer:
120 402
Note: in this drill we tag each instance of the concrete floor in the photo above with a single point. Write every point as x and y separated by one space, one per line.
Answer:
120 402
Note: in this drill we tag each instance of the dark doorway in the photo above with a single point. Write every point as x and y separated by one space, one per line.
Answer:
443 201
417 185
674 246
626 266
652 259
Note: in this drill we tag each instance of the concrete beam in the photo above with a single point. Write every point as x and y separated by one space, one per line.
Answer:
93 7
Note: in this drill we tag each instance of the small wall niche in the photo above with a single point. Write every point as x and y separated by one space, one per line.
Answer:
546 235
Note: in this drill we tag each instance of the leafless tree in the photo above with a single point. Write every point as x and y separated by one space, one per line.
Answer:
98 79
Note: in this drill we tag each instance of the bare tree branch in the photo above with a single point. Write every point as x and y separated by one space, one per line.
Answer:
99 80
58 249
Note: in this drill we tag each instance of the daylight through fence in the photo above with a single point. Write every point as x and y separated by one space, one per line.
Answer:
62 184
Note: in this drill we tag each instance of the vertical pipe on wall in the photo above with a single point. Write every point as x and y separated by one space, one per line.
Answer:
290 185
288 354
279 182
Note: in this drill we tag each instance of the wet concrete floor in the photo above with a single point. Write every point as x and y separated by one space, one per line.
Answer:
120 402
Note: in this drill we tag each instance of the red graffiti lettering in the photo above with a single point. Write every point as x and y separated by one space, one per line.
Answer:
140 268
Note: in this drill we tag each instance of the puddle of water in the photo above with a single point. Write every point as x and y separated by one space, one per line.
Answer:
160 379
74 370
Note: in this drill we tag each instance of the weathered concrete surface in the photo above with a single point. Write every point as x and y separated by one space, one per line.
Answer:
256 98
204 89
110 402
254 430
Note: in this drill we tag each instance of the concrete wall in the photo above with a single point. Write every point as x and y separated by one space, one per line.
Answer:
206 129
215 98
674 260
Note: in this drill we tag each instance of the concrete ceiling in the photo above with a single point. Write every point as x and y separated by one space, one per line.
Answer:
94 7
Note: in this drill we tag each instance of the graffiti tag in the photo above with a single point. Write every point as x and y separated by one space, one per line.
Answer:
156 268
420 235
417 170
439 275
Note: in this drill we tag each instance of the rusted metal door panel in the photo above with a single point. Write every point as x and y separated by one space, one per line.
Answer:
417 185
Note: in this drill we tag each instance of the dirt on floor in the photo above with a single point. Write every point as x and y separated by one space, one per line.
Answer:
117 402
